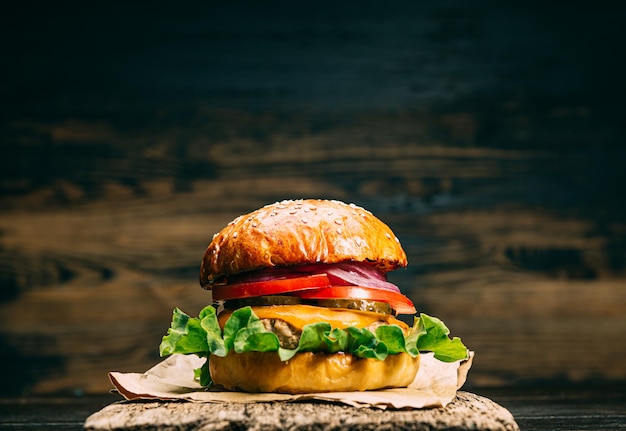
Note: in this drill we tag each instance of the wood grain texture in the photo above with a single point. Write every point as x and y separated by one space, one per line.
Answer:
489 138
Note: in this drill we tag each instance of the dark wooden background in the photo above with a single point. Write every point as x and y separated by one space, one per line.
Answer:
489 136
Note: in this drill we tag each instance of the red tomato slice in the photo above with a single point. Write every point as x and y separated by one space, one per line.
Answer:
398 301
270 287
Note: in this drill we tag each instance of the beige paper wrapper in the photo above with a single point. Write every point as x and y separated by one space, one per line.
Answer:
435 385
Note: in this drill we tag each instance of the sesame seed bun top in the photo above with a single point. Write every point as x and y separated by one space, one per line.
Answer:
299 232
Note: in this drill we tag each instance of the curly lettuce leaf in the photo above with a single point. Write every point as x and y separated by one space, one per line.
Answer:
185 335
245 332
432 335
215 343
393 338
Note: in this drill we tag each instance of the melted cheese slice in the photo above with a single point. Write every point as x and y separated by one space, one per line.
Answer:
300 315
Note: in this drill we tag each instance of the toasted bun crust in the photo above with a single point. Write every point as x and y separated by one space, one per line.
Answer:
299 232
311 372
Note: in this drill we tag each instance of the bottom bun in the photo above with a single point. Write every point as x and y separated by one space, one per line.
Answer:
311 372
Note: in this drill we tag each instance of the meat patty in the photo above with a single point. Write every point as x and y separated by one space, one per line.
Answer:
289 336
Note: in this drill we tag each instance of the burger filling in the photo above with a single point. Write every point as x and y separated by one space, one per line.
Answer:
349 304
288 335
347 281
290 329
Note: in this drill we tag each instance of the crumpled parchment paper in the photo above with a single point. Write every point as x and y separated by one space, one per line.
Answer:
435 385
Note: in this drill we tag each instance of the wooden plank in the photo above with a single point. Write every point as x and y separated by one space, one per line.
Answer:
476 268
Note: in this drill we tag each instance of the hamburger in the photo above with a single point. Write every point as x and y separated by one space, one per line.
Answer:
301 303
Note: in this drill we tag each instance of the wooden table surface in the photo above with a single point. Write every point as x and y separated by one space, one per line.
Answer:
535 409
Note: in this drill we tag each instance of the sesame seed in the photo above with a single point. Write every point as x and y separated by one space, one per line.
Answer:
388 236
235 234
254 224
312 208
340 231
338 221
359 241
305 221
293 212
